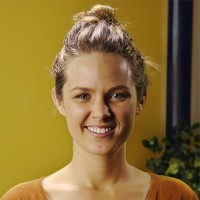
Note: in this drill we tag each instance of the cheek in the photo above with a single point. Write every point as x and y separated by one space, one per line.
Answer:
126 117
129 117
74 118
126 112
75 114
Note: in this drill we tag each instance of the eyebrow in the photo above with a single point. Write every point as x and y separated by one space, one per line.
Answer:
119 87
82 88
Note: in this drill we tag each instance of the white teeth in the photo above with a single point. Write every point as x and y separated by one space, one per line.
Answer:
99 130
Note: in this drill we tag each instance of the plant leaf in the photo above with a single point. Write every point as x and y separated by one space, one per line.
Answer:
196 125
197 162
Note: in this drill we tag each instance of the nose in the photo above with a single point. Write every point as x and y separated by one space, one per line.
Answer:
100 110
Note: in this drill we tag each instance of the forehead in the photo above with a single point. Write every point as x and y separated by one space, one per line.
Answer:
97 64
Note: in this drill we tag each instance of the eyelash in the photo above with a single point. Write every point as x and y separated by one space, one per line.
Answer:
83 96
118 96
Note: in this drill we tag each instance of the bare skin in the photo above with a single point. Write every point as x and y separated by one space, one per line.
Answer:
100 110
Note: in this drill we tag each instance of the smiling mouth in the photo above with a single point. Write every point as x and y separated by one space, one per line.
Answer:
100 131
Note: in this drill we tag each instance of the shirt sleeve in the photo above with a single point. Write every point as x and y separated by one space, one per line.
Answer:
31 190
168 188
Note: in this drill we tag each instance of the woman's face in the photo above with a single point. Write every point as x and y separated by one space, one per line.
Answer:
99 102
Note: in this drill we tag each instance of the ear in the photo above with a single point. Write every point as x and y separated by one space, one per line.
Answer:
57 102
140 105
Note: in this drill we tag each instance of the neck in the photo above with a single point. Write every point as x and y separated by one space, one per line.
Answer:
95 171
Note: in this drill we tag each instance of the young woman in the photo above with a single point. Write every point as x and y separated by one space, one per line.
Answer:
100 87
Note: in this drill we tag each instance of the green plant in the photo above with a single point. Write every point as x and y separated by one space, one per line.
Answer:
179 156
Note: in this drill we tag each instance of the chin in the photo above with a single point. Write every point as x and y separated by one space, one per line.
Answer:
101 150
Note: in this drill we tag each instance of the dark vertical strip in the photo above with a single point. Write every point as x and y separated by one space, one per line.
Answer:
179 63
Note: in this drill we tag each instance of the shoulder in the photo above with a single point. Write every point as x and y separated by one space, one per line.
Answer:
27 190
169 188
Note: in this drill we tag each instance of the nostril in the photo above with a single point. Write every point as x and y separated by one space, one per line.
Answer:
100 110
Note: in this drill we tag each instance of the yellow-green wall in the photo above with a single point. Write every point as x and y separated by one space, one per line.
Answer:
33 137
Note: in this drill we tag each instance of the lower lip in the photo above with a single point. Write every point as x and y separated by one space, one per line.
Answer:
101 135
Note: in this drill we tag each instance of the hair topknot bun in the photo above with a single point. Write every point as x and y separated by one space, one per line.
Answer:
96 14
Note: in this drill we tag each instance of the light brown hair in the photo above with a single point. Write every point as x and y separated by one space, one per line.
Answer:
99 30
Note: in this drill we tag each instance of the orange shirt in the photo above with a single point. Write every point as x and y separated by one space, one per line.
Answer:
162 188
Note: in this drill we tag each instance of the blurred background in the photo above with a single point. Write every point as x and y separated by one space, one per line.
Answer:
34 141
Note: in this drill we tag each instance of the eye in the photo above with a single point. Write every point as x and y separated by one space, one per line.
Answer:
118 96
83 97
